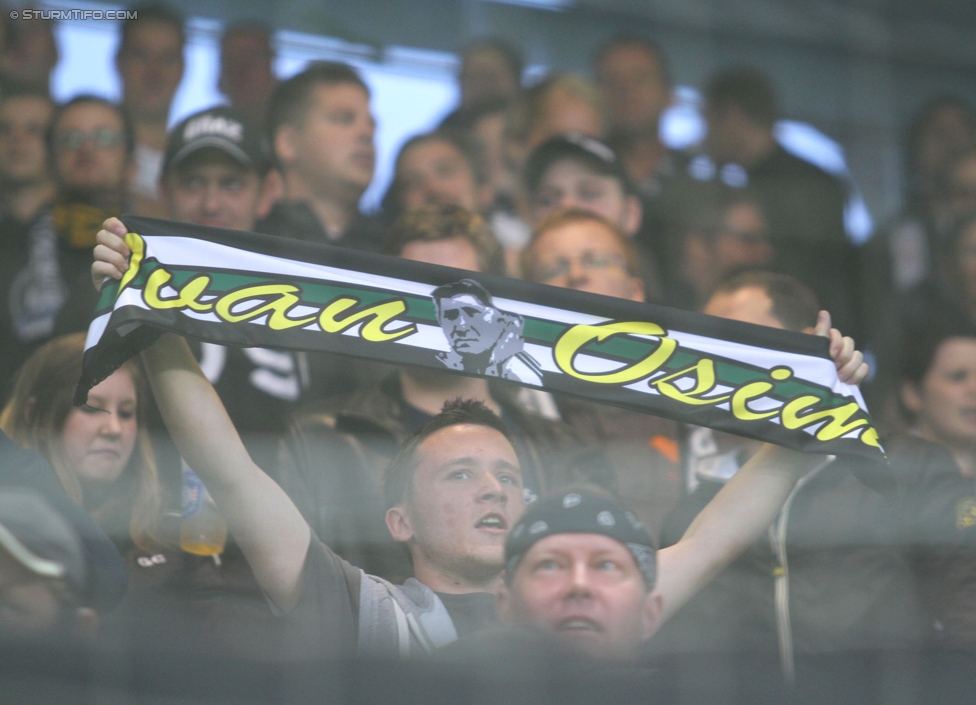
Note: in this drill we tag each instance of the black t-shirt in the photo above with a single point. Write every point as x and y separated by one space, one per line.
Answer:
470 612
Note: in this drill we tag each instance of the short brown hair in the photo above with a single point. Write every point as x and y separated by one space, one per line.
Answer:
568 216
292 98
444 222
794 303
398 477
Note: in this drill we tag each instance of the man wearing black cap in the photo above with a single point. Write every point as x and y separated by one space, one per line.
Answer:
577 171
215 173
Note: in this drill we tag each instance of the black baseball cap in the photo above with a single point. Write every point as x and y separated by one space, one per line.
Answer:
593 153
220 128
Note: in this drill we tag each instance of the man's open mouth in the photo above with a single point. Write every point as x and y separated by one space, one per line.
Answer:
492 521
579 624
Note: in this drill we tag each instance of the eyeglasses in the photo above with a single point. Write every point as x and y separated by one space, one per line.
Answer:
102 138
588 260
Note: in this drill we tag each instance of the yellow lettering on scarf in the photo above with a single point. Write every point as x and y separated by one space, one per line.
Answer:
137 248
704 371
570 343
835 428
375 317
277 308
187 297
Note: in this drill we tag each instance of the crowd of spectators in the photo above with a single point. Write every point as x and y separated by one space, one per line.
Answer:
391 511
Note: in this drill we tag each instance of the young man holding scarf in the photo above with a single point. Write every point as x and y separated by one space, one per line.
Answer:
461 495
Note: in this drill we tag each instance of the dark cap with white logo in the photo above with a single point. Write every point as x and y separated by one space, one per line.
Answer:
219 128
581 512
596 155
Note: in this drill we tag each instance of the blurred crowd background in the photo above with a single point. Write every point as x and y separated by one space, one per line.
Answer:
752 160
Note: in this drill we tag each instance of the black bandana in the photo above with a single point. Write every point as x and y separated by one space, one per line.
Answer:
581 513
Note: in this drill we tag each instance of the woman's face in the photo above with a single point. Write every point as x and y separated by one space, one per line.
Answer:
946 400
98 439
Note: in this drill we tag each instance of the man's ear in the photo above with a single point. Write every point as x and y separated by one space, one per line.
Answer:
285 148
910 397
651 615
399 524
633 213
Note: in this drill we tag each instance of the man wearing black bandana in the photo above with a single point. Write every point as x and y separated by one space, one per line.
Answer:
582 568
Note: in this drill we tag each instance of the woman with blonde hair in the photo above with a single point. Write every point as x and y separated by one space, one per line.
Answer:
101 451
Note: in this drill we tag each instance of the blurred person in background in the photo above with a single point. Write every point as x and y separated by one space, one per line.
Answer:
361 431
91 148
150 65
581 250
558 104
906 252
484 126
491 69
247 75
951 289
437 168
26 191
633 74
42 572
728 235
577 171
322 133
29 56
803 205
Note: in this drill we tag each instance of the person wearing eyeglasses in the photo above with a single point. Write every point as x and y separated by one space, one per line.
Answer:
576 248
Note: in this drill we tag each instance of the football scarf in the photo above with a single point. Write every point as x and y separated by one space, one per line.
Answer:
237 288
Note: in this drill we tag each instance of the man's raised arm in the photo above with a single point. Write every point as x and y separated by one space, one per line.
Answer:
264 521
744 509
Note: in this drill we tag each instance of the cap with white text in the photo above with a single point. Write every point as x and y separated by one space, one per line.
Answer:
221 128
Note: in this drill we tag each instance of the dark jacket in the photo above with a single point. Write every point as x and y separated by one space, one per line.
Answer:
836 570
295 220
804 209
332 467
